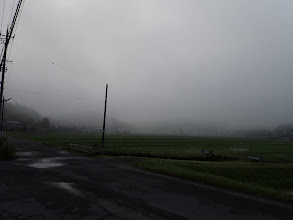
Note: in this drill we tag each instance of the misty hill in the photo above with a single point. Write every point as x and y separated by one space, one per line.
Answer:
202 128
21 113
85 119
91 120
94 120
284 131
182 128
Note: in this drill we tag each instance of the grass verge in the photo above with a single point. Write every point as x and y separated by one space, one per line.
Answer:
257 180
7 151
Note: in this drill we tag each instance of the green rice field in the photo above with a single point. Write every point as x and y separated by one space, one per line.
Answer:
271 151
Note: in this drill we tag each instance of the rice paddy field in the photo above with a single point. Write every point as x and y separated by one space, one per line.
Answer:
271 151
180 156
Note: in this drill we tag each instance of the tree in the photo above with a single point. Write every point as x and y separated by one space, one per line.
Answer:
45 123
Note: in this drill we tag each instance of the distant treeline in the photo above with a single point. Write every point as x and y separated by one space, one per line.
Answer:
21 113
30 117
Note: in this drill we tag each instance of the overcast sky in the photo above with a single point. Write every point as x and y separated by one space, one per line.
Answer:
228 61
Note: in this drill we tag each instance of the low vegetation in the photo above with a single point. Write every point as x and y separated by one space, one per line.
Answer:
7 151
267 180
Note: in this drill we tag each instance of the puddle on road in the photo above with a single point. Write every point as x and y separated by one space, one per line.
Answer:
27 153
22 159
51 162
46 163
68 158
63 152
69 187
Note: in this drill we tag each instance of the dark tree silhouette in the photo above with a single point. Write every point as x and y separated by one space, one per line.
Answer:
45 123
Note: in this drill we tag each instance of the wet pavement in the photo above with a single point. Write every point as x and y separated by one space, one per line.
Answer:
47 183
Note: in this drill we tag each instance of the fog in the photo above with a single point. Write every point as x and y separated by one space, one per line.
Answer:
169 62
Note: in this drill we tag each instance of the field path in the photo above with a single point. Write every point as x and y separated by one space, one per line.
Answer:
46 183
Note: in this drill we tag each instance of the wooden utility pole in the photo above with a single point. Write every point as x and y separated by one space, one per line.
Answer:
3 70
2 115
3 60
105 111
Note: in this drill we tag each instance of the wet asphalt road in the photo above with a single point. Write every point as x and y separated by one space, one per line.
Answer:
46 183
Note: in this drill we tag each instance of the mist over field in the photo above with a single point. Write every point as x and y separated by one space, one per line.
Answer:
172 66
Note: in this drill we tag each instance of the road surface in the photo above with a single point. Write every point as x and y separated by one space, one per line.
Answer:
47 183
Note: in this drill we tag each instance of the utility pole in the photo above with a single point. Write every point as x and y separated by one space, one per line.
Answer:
9 32
105 110
2 115
3 69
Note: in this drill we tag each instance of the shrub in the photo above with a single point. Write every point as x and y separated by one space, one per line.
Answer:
7 151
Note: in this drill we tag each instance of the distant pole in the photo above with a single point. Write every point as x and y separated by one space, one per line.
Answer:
105 111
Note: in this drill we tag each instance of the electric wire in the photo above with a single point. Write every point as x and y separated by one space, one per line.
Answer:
17 23
111 102
11 14
53 94
53 63
118 133
2 53
19 16
64 68
9 73
11 45
42 58
113 116
115 120
2 23
4 1
58 65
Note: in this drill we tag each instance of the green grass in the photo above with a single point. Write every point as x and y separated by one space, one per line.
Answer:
7 151
272 181
273 151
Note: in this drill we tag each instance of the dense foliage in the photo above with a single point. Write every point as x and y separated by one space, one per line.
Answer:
21 113
7 151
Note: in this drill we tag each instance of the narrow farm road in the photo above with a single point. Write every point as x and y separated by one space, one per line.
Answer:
46 183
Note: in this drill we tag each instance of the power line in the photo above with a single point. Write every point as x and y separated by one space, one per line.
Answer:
11 11
115 121
20 13
115 125
58 65
54 94
2 51
17 23
9 73
2 16
111 101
